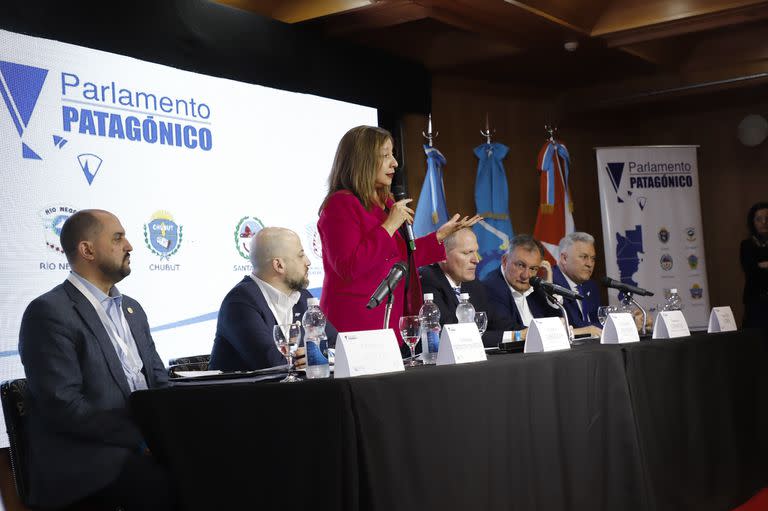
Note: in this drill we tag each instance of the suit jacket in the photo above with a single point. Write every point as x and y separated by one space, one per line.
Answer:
80 430
357 255
433 280
244 340
589 304
498 292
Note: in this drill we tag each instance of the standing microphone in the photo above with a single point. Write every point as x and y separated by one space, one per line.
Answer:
399 192
537 282
627 288
397 272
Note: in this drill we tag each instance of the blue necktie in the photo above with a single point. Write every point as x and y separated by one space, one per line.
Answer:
580 290
457 290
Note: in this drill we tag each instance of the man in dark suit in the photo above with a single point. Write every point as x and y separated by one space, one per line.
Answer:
573 271
274 293
509 288
85 348
448 279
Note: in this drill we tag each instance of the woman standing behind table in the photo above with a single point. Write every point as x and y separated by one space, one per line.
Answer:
359 230
754 261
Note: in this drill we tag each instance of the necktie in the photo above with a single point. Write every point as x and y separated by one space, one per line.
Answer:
457 290
580 290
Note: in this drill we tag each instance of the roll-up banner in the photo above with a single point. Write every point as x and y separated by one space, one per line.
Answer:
649 200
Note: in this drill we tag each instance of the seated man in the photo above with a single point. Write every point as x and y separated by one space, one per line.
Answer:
274 293
85 349
573 271
448 279
509 287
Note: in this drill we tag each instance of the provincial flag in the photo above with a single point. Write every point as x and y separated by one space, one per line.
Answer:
431 211
555 216
492 203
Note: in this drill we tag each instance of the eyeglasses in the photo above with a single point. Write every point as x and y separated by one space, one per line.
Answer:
522 267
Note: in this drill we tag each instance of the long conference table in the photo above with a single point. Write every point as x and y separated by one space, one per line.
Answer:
656 425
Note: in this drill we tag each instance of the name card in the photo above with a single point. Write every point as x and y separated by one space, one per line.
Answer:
367 352
721 320
670 324
460 343
546 334
619 328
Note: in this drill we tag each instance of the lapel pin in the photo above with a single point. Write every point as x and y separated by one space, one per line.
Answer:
130 310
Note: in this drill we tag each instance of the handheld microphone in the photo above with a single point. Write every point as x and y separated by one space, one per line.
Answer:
538 282
627 288
399 192
397 272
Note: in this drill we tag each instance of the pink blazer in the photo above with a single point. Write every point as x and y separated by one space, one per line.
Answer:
357 254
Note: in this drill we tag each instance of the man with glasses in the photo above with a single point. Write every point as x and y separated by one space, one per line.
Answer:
574 271
509 287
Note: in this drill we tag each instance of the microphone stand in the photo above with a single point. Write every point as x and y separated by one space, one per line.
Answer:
388 308
554 301
643 329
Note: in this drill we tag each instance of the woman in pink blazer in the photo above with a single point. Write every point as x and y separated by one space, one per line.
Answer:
359 229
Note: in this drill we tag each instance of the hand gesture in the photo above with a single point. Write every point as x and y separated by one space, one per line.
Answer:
456 224
399 213
547 270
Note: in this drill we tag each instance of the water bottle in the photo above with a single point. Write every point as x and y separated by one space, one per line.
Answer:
315 340
674 302
465 311
429 314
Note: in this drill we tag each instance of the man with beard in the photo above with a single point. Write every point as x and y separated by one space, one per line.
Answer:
85 348
274 293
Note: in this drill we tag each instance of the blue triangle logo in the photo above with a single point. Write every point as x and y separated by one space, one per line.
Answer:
59 141
24 86
28 153
615 171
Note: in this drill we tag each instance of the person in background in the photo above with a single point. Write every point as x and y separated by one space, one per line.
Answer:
447 279
274 293
360 227
509 287
753 255
574 271
85 348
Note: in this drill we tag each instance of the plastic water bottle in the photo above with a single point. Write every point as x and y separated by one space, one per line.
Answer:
465 311
674 302
429 314
315 340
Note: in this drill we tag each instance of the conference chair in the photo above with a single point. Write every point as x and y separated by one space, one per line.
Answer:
194 359
192 363
12 395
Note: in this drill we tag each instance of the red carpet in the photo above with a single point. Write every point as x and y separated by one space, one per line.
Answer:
757 503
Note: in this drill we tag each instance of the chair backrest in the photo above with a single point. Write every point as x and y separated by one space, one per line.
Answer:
195 366
193 363
195 359
13 395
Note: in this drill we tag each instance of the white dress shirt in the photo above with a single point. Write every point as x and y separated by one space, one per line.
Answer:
279 303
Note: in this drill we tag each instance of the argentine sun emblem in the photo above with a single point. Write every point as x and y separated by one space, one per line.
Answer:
162 235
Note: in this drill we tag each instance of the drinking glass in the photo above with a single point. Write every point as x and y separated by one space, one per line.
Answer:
603 311
410 330
287 340
481 320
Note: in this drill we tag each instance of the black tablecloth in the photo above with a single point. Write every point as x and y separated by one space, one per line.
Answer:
700 405
654 425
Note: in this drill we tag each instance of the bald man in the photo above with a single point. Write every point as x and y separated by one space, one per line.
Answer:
274 293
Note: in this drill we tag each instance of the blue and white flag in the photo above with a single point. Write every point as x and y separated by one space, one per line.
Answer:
431 211
492 202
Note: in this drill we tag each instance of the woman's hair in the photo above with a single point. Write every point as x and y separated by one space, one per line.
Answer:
356 163
751 216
